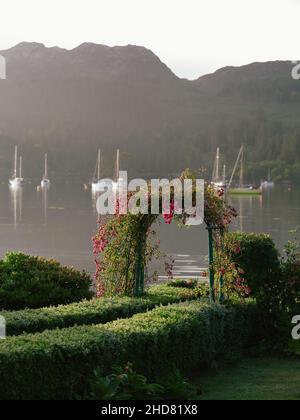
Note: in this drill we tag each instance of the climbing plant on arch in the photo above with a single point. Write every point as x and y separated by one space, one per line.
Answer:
124 245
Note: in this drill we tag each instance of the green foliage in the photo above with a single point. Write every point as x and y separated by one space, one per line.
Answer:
95 311
190 284
34 282
183 336
177 388
202 291
290 266
255 255
123 384
127 384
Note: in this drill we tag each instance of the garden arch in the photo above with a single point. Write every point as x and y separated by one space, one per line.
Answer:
123 247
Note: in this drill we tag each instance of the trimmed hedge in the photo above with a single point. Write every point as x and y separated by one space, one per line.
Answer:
56 364
34 282
258 257
96 311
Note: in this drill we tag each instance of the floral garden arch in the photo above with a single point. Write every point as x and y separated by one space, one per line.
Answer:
124 244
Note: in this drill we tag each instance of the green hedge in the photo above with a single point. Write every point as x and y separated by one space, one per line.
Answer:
55 364
257 256
96 311
34 282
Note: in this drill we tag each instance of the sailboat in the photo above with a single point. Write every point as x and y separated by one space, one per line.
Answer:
17 180
269 183
96 183
217 180
45 183
99 185
242 189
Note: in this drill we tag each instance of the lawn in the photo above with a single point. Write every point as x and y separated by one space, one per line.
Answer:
254 379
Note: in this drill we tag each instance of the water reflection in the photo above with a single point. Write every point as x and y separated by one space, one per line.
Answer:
60 223
245 205
45 192
16 195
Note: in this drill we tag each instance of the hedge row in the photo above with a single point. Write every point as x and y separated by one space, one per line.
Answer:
56 364
96 311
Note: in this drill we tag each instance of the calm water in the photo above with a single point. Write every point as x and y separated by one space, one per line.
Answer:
60 223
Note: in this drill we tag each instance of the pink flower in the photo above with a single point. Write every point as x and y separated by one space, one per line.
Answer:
168 217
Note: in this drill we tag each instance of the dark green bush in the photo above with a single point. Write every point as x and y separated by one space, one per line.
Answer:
258 260
34 282
127 384
95 311
55 364
290 266
122 384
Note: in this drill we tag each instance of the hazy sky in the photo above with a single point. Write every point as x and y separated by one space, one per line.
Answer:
192 37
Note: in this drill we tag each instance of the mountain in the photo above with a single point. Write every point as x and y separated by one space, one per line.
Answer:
70 102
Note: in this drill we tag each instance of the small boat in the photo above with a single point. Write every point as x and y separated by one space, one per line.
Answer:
242 188
269 183
45 183
218 181
17 179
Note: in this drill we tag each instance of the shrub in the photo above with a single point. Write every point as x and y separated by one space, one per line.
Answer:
55 364
34 282
290 266
123 384
127 384
96 311
202 291
255 257
191 284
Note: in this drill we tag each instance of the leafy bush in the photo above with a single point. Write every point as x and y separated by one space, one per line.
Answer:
255 257
123 384
191 284
96 311
182 336
202 291
290 266
127 384
34 282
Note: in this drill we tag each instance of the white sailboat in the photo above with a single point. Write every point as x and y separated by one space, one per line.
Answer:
45 183
97 185
218 181
17 180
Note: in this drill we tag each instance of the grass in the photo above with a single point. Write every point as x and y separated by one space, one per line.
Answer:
254 379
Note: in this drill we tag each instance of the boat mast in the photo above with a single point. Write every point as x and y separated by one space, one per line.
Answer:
242 168
118 164
20 169
99 165
16 162
236 165
224 174
218 164
46 166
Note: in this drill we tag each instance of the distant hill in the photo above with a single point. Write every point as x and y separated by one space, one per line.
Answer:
70 102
